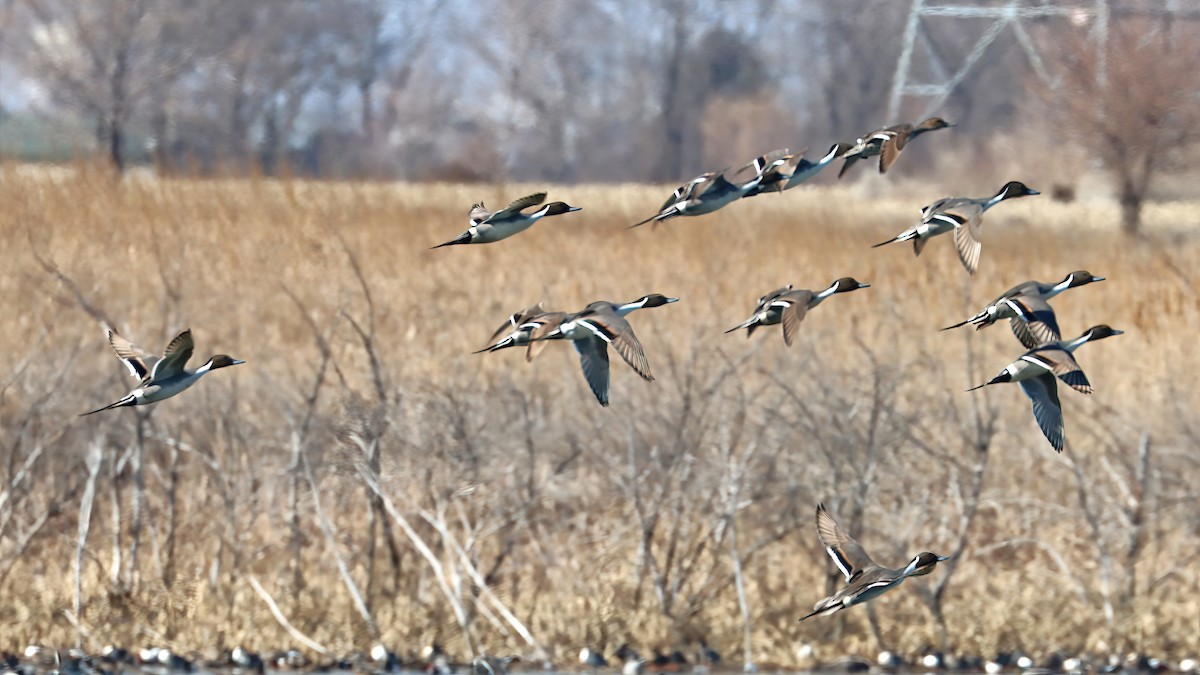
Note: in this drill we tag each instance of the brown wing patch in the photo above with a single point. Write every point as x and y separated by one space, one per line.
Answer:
889 152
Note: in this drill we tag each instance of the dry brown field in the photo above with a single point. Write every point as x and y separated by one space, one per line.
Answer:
523 517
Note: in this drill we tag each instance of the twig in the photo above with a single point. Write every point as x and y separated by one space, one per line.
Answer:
331 541
279 617
85 521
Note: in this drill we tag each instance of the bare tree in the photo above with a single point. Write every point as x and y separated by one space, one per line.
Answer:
1130 101
105 59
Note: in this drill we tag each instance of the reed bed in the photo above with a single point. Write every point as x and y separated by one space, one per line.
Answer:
382 484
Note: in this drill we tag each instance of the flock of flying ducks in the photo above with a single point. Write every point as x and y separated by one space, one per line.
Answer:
602 324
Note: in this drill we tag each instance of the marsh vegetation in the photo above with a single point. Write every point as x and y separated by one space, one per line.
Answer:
378 482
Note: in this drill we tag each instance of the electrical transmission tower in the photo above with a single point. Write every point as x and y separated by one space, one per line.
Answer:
1009 15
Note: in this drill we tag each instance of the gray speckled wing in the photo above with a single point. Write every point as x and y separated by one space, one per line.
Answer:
174 358
517 205
967 239
139 361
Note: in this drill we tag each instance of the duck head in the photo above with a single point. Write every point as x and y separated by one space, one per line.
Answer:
934 123
924 563
1080 277
847 284
222 361
556 208
1014 189
838 150
651 300
1099 332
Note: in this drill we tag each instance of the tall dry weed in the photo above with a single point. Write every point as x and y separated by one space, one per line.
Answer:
513 513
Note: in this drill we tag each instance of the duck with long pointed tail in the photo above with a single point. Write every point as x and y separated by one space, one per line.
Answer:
964 217
710 191
522 328
865 579
598 326
888 142
1036 371
795 170
1025 306
160 377
789 307
491 226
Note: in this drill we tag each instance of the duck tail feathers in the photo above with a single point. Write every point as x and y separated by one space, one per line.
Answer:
127 401
464 238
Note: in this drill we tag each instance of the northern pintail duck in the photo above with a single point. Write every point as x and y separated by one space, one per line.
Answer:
160 377
599 325
963 216
631 662
485 664
788 306
794 170
1035 371
865 579
522 328
592 658
1025 306
489 226
888 142
710 191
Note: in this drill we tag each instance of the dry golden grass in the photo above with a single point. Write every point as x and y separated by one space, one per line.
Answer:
541 485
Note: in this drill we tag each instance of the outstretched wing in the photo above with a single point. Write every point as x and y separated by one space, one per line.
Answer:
794 309
1060 362
174 358
967 239
616 331
138 361
1047 409
541 326
845 552
517 205
593 356
1035 323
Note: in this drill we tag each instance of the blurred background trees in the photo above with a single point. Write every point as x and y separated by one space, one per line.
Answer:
613 90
